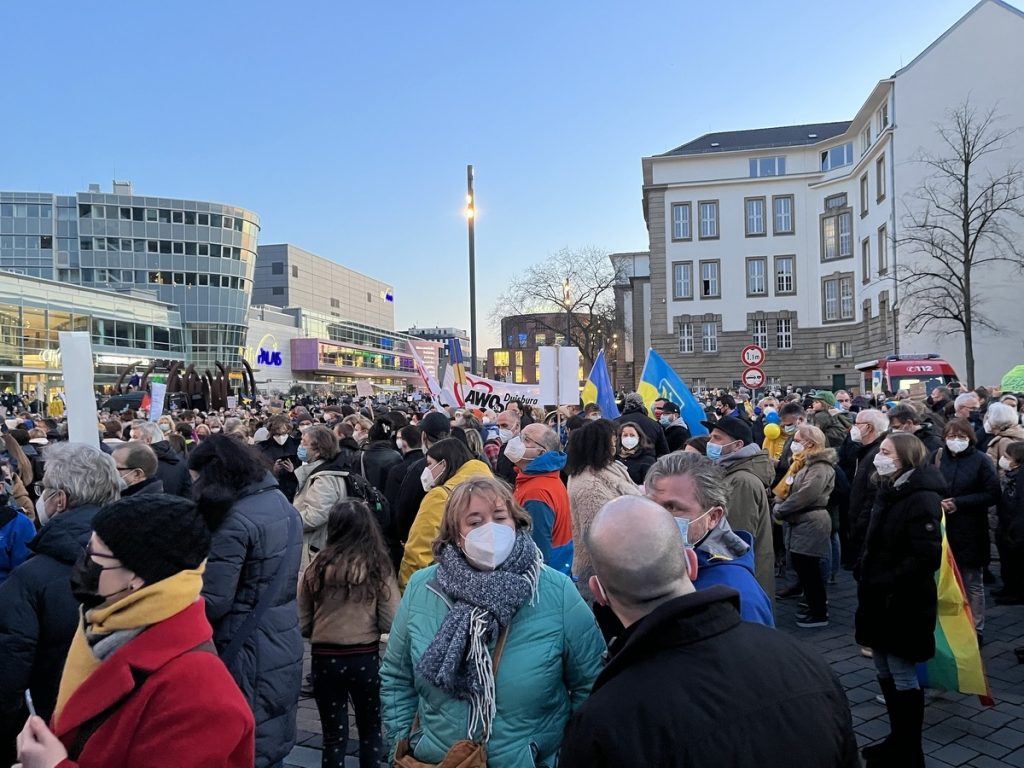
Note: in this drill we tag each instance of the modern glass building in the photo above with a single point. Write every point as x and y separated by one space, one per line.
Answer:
33 311
197 256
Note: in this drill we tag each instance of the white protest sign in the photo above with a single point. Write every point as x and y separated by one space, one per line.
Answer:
232 402
79 398
364 389
157 395
560 375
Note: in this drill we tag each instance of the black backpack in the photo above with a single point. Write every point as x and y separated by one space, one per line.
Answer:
357 487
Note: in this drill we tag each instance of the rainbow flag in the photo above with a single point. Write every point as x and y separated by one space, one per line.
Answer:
598 388
957 664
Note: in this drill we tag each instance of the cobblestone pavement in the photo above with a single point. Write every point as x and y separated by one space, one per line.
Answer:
959 731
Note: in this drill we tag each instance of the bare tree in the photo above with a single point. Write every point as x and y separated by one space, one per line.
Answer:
963 218
579 282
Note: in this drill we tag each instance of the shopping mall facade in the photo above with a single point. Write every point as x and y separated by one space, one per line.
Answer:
164 279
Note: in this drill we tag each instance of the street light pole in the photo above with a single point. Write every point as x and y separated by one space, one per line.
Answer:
471 221
566 293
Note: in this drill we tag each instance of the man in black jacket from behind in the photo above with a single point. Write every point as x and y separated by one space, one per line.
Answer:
688 683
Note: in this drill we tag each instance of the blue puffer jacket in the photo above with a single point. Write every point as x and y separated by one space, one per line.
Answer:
737 573
552 656
248 549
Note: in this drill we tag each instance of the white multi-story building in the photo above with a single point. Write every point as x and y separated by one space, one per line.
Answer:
787 237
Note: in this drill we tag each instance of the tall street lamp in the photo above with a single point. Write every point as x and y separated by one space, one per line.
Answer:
471 221
567 298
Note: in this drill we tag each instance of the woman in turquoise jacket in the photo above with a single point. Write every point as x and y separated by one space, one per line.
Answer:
489 578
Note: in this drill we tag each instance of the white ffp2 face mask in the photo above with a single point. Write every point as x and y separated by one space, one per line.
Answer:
489 545
629 443
41 515
515 450
280 439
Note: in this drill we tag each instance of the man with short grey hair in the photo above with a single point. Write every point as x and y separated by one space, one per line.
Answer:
38 612
536 452
172 469
696 493
684 648
137 464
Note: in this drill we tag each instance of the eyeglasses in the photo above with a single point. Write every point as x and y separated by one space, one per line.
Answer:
126 469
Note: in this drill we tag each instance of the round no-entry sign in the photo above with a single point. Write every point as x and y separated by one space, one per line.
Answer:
752 355
753 378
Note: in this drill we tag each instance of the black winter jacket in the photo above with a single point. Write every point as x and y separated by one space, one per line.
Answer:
396 475
896 596
650 427
863 488
172 469
375 460
637 465
688 686
676 436
247 550
1010 533
272 452
39 616
972 483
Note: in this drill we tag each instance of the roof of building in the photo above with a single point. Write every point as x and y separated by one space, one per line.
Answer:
760 138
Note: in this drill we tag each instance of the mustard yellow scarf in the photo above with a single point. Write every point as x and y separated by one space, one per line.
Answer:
781 490
150 605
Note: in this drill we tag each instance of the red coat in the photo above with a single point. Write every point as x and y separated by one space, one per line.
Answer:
173 705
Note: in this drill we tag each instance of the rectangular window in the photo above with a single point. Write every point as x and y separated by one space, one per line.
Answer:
757 283
767 166
681 221
335 303
277 268
784 334
203 248
865 139
846 349
845 235
865 259
277 290
295 271
190 217
163 216
880 178
785 282
883 117
836 234
178 217
883 318
709 337
85 244
709 288
846 297
708 219
203 219
177 247
863 195
46 242
151 214
760 336
783 209
519 359
837 298
686 338
831 300
682 280
832 350
837 157
829 241
883 250
754 219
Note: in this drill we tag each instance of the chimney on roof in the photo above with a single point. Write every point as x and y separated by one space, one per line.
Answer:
94 188
122 187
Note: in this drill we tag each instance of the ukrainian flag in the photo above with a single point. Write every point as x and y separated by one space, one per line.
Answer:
455 362
659 380
598 388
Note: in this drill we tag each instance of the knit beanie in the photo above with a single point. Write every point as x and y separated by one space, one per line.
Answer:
155 535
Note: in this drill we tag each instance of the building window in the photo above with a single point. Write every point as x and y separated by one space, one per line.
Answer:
832 350
681 221
830 292
865 139
767 166
837 157
883 318
277 268
883 117
682 280
760 336
785 281
883 250
709 288
501 359
837 298
295 271
880 178
335 303
784 334
709 337
686 338
865 259
754 220
757 282
863 195
277 290
836 233
46 242
519 358
846 297
708 219
783 214
846 349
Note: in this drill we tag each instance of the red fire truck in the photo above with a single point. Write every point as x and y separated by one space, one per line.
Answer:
895 372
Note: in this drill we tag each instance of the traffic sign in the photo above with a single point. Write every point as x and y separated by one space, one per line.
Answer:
753 378
752 355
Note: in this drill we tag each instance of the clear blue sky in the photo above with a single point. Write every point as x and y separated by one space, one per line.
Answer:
347 126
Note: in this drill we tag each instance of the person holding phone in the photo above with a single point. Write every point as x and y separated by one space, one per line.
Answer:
282 451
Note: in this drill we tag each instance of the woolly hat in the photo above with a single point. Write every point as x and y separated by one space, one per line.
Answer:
735 428
436 426
634 402
825 396
155 535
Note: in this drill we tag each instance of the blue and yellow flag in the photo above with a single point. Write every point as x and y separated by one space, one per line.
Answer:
455 362
659 380
598 388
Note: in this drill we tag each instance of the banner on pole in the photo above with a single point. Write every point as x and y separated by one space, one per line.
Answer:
158 393
79 396
486 393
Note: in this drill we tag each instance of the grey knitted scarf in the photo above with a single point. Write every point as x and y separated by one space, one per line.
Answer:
457 660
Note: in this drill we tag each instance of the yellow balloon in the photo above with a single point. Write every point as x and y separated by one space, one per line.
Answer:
772 431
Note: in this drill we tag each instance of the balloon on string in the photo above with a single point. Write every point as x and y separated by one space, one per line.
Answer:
773 418
772 431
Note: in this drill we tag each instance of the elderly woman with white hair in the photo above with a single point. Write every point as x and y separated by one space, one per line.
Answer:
1003 423
38 613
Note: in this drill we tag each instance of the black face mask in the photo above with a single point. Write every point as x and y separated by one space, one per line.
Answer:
85 582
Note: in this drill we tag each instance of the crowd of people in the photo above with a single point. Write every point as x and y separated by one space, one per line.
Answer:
547 585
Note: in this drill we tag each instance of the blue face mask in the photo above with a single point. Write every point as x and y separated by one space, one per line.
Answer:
302 453
684 529
714 451
664 420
